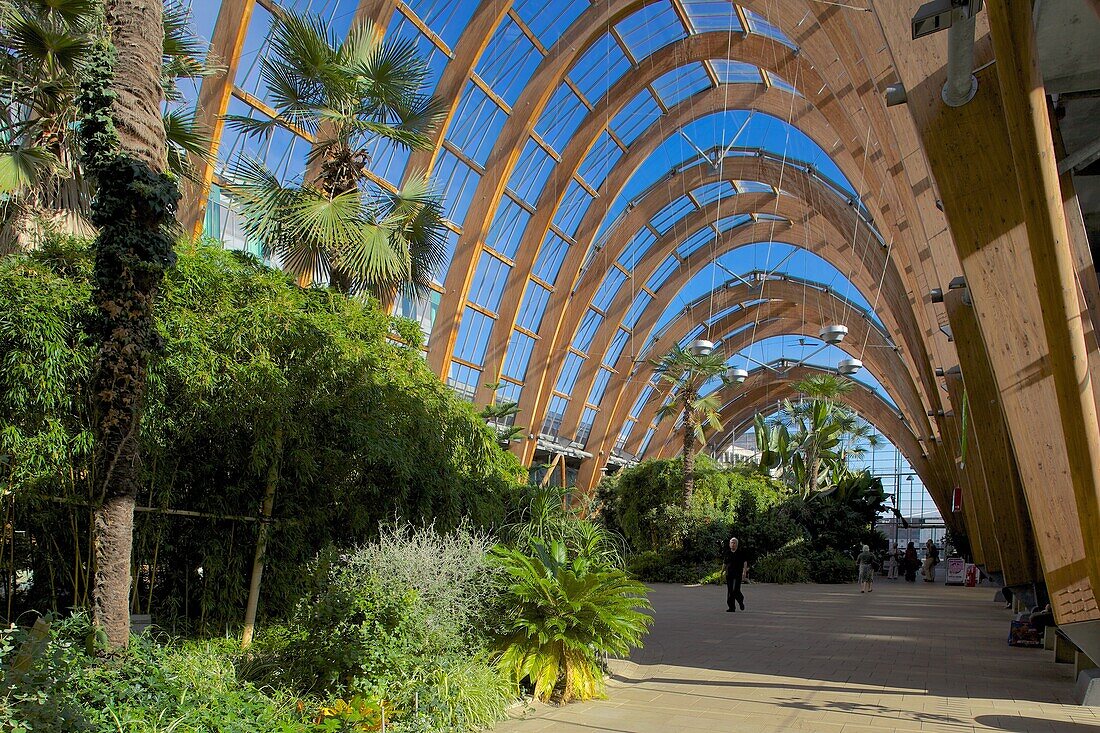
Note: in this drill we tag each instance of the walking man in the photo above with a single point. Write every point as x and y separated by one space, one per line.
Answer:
736 561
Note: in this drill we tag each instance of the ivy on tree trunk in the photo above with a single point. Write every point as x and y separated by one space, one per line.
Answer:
133 207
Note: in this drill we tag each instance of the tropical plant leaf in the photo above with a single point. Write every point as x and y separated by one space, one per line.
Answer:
22 167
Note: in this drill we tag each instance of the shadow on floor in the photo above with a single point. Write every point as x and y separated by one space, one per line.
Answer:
903 639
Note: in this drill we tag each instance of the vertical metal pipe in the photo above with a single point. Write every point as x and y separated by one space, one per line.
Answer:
961 84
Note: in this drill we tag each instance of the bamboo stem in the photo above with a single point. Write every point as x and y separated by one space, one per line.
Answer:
261 541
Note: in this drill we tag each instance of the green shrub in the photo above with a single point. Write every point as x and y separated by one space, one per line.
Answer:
60 688
562 613
404 619
368 431
831 566
646 502
781 569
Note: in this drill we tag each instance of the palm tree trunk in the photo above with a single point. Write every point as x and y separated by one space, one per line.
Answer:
124 148
689 446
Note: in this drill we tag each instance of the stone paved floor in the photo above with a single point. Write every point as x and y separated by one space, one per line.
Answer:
826 659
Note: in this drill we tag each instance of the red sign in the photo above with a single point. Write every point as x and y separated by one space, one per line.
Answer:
956 500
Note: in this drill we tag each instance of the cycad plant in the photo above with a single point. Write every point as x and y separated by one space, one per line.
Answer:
45 51
339 224
562 615
687 372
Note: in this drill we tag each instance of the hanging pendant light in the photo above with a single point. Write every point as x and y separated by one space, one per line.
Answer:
736 375
834 334
848 367
702 347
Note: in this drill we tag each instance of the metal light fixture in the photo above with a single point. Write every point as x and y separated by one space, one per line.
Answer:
895 95
848 367
737 375
833 334
702 347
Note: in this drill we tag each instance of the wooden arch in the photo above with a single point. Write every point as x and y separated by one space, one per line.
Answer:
740 404
822 206
859 100
785 307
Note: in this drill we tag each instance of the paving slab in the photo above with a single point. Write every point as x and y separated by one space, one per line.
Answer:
906 658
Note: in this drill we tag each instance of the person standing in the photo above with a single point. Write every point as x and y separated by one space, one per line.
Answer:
736 562
892 562
931 560
910 562
866 560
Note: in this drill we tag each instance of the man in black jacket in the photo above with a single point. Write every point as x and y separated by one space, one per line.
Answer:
736 562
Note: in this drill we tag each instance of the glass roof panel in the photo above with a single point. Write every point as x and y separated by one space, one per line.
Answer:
602 65
587 331
736 72
635 117
753 187
780 83
507 227
711 192
567 379
612 281
664 219
477 122
448 19
712 15
457 181
661 274
732 222
599 385
640 303
600 160
680 83
759 24
637 248
534 306
518 356
699 239
487 286
509 61
549 20
464 380
651 28
551 255
562 116
473 336
530 174
615 350
572 208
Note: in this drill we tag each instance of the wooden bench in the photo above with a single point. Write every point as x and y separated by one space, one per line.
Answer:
1066 652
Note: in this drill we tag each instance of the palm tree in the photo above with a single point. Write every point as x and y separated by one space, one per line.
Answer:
688 372
811 445
45 49
339 224
125 151
500 415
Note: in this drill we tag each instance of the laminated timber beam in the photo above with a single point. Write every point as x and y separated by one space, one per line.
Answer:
802 231
584 30
976 504
763 389
226 44
994 164
836 218
963 479
782 307
989 435
801 112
